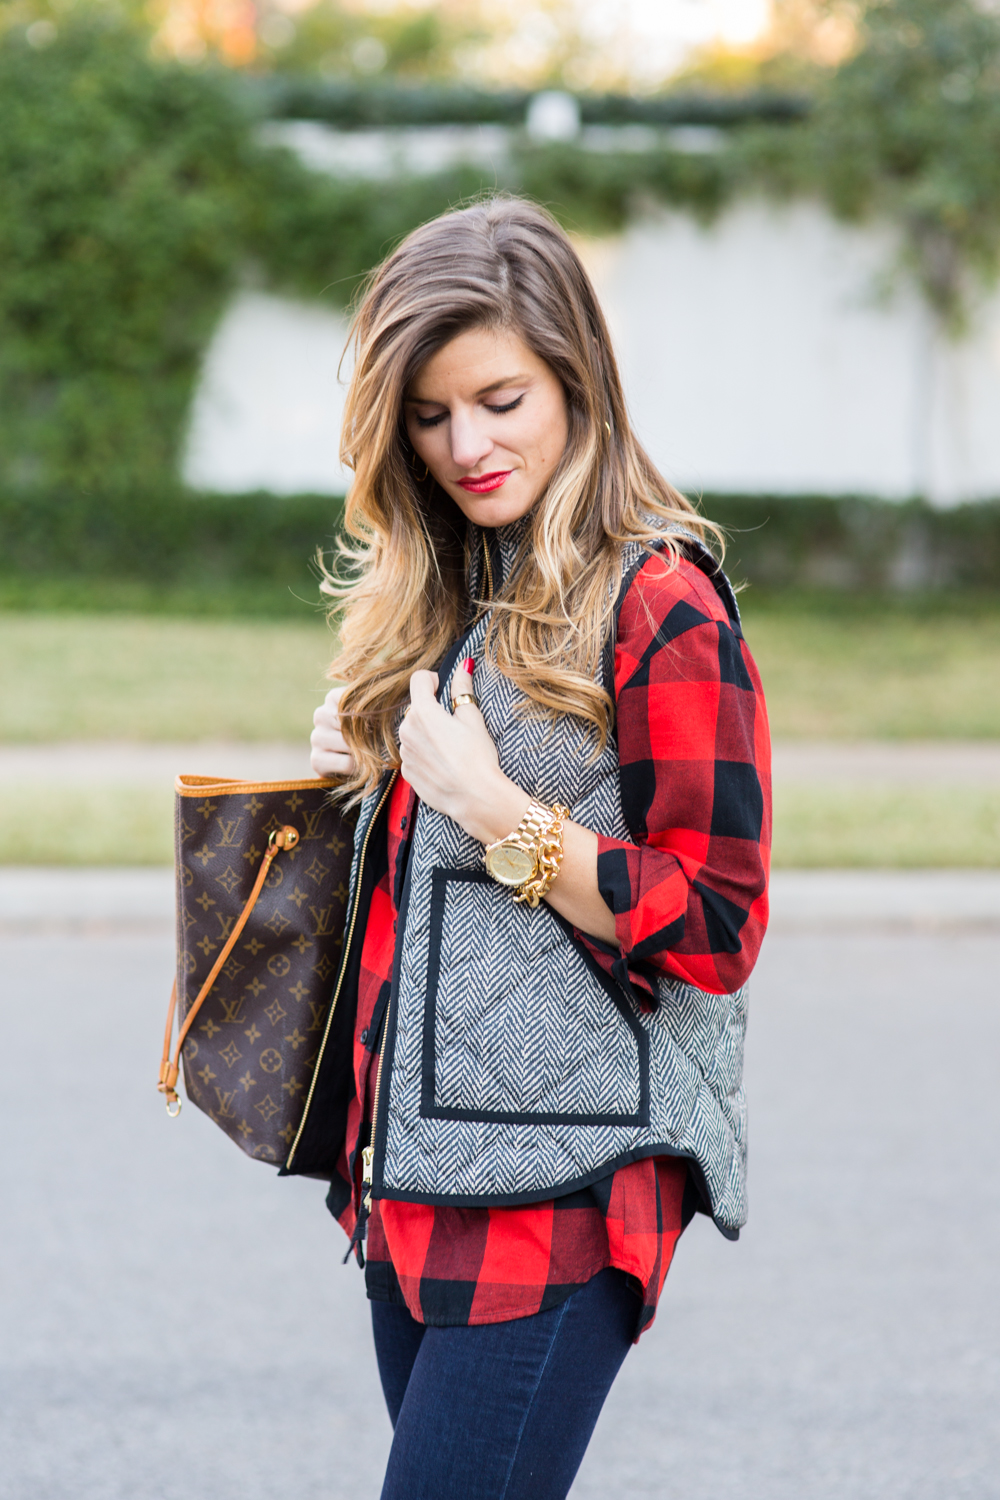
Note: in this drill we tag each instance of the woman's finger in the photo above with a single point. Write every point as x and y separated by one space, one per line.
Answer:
423 688
329 753
328 713
331 763
462 688
327 742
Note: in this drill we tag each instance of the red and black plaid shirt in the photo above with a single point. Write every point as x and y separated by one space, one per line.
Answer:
690 900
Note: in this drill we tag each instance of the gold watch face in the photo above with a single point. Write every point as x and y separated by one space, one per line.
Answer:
510 865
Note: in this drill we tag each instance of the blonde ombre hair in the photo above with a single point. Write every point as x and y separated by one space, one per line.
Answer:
399 588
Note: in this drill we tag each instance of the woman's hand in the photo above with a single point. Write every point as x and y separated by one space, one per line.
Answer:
452 764
329 755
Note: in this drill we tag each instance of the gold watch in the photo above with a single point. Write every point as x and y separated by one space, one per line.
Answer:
514 860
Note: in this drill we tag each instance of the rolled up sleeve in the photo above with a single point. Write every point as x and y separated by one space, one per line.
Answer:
689 890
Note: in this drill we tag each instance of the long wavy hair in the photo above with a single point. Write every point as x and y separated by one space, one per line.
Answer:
398 585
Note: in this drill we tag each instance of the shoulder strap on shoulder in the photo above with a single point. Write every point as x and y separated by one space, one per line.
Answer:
696 552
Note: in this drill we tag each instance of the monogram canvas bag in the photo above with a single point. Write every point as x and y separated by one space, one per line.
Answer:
262 872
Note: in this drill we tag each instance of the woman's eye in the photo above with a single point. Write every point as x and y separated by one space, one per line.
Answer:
499 410
430 421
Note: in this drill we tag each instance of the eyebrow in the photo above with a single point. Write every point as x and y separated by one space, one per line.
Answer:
494 385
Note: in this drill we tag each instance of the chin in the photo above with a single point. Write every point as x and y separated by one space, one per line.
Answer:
493 510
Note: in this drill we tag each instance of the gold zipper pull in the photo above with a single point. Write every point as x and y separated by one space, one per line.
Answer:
367 1171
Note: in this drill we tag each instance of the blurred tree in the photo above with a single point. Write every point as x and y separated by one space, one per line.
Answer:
523 43
407 42
804 40
119 233
908 127
134 195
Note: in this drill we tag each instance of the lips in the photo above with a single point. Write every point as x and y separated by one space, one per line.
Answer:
480 484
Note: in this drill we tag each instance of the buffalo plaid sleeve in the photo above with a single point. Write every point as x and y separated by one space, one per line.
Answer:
689 891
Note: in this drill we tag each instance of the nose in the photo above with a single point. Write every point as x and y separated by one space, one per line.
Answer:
470 443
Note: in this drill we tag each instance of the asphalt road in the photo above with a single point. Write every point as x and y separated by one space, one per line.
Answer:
177 1324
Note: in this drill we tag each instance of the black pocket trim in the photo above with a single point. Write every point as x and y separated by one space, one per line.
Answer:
430 1110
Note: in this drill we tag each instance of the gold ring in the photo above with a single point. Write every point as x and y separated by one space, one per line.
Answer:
465 698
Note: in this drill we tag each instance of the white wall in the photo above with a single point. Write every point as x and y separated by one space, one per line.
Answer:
764 353
268 409
774 351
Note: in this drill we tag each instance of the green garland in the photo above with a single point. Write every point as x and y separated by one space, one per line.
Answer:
134 197
255 553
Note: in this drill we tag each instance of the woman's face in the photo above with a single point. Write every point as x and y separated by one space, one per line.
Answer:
488 418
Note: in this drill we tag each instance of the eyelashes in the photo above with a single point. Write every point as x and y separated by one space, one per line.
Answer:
511 405
497 411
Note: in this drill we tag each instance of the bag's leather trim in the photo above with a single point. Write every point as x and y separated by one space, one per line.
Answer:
197 786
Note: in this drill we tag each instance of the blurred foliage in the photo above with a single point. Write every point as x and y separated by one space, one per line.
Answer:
133 197
804 39
336 41
174 551
121 226
135 194
907 127
169 538
351 105
855 546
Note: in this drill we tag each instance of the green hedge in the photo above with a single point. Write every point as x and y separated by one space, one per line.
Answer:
245 554
356 106
852 546
256 553
135 196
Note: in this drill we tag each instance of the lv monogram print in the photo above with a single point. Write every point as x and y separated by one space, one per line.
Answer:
249 1057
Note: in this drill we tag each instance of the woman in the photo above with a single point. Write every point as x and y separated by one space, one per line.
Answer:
560 871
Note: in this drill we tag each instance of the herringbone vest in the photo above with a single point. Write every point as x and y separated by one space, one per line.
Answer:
515 1068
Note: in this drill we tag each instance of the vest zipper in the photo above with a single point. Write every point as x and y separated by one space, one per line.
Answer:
489 566
368 1152
368 1155
349 937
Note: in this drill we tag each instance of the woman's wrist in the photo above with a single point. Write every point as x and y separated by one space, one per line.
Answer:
495 809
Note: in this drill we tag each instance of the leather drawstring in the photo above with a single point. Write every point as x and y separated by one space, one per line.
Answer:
281 838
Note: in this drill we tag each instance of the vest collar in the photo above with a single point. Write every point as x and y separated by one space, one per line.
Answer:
504 544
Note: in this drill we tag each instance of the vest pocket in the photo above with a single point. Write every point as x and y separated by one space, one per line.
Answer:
520 1025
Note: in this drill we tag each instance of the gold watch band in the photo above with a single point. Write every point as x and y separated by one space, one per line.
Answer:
526 838
537 839
550 857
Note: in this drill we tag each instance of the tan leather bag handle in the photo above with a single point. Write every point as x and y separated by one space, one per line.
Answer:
280 838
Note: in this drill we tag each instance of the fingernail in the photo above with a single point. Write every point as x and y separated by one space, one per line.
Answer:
469 665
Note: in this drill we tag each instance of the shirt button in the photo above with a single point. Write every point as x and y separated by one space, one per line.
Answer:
364 1036
402 824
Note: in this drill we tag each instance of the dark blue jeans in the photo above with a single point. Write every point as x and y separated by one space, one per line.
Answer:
503 1411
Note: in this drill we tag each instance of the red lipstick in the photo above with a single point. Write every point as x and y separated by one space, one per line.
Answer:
479 484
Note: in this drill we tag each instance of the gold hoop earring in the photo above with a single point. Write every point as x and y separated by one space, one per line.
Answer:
607 428
413 465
